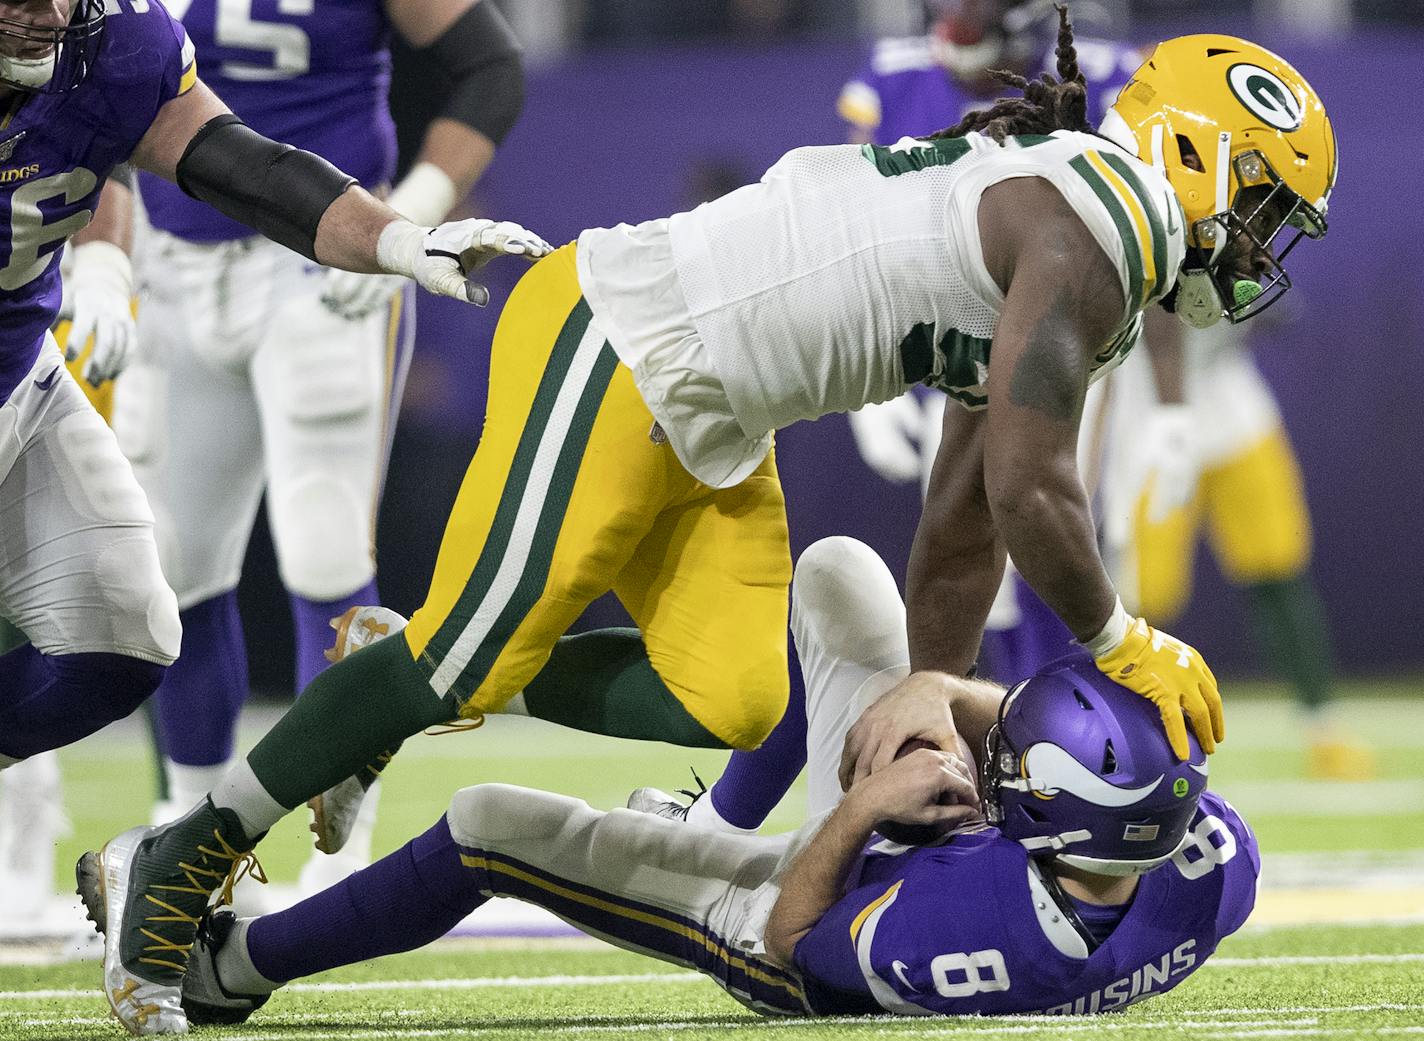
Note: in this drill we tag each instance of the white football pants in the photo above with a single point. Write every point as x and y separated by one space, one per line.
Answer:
79 570
243 380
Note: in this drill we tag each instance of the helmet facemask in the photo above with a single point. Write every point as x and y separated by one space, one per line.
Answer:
49 59
1210 288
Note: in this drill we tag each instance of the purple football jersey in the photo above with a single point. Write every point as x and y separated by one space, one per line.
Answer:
311 73
967 928
904 92
56 150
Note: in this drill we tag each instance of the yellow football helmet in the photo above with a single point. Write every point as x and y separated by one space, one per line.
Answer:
1220 115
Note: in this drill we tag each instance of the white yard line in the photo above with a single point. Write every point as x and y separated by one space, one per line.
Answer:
482 982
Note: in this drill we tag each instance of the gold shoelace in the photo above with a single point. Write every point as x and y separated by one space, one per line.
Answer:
454 726
240 865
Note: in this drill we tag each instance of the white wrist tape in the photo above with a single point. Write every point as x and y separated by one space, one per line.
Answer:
426 195
103 264
1111 635
399 246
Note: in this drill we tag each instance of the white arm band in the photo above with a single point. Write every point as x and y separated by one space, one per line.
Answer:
424 196
1111 635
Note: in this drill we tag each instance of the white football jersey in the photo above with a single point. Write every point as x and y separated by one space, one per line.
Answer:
850 272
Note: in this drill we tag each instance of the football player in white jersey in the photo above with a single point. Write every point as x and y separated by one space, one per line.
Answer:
637 376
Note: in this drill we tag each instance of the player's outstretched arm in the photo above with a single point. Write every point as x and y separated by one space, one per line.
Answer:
302 201
957 559
470 46
1063 301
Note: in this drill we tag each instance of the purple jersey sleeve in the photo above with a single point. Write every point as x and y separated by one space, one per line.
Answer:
311 75
58 149
968 928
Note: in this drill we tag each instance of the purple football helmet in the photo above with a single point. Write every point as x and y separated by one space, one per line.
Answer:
1079 768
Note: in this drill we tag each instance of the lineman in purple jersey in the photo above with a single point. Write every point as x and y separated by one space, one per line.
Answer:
259 372
82 90
909 86
1121 883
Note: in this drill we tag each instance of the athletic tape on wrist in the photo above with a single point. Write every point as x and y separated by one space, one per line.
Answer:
1111 635
424 196
400 244
104 262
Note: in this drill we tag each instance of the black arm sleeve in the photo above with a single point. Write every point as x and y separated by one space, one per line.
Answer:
275 189
123 174
481 58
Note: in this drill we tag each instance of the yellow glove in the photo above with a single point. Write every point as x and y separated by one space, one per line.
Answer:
1167 672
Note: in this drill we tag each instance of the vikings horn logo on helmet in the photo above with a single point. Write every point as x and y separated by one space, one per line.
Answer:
1057 771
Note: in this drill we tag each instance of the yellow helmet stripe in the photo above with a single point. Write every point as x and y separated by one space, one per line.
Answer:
1114 206
1139 220
1159 235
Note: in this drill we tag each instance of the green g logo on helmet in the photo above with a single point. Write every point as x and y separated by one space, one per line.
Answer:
1265 96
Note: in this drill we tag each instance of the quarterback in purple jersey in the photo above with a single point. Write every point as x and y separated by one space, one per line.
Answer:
258 372
1105 873
82 89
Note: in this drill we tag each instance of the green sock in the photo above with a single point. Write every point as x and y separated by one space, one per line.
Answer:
346 717
602 682
160 770
1290 621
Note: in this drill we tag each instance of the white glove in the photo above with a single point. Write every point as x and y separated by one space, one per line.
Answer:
351 295
101 288
886 436
1169 448
424 196
440 258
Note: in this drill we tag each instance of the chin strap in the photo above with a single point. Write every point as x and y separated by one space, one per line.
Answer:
1054 843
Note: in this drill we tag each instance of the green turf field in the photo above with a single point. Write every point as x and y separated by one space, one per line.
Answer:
1337 950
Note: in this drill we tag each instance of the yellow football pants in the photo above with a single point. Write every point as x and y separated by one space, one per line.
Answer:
567 497
1257 522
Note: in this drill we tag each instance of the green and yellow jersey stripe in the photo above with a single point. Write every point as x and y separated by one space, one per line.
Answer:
1135 217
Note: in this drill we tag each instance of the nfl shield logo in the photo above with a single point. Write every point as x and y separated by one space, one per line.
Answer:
7 147
1140 832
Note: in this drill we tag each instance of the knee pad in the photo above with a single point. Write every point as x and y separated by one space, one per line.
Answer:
144 610
321 527
844 596
486 815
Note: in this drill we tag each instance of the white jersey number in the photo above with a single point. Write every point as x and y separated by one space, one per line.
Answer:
964 975
29 233
1199 855
289 45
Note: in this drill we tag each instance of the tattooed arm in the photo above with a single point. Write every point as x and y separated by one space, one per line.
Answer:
1008 477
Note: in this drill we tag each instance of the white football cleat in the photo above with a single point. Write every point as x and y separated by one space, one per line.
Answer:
336 810
144 1006
659 803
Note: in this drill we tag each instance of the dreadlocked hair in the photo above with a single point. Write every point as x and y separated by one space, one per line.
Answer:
1047 104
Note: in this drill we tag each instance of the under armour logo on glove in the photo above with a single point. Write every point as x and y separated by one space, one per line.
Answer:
1173 676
